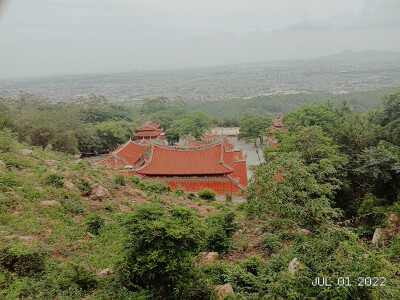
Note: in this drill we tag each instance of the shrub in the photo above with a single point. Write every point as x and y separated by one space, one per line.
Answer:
134 179
73 206
79 275
22 261
270 242
8 140
7 181
94 223
179 193
119 179
54 180
228 198
207 194
217 240
111 206
154 187
158 254
84 187
192 196
222 227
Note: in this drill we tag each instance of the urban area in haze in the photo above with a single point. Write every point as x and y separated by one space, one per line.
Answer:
170 149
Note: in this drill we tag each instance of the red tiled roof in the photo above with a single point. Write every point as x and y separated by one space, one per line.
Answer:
148 127
240 172
221 185
277 123
190 161
125 155
191 144
147 134
209 138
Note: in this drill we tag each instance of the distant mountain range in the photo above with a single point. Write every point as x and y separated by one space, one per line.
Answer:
349 56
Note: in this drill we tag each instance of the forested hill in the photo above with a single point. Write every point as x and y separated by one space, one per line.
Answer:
360 101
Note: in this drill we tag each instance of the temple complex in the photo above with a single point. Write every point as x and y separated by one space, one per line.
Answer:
212 163
215 166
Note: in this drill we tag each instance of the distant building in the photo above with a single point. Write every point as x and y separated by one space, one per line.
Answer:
150 131
271 141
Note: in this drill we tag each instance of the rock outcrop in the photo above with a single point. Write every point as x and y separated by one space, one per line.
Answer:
293 266
223 291
393 225
304 232
50 162
69 185
377 238
208 258
105 272
49 203
26 152
99 192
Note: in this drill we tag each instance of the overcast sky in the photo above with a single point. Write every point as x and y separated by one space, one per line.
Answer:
55 37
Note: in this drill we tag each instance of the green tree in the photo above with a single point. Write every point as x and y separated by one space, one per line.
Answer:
158 254
391 117
253 128
97 109
153 105
298 196
195 124
312 115
114 133
377 170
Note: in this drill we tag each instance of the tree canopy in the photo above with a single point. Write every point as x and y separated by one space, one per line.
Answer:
253 128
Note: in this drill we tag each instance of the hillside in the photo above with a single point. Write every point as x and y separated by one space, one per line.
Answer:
69 230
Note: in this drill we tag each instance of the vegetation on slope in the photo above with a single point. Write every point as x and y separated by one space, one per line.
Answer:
71 231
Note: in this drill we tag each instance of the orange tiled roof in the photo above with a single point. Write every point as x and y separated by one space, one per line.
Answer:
192 144
148 127
240 173
125 155
277 123
221 185
190 161
147 134
209 138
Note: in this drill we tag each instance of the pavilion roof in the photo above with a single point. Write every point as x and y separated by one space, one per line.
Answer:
147 134
148 127
277 123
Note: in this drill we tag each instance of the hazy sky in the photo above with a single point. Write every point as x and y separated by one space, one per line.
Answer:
50 37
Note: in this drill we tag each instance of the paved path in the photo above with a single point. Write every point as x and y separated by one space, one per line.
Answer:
254 155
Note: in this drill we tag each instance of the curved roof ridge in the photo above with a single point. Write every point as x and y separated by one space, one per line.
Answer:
235 182
123 146
207 146
147 162
222 162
